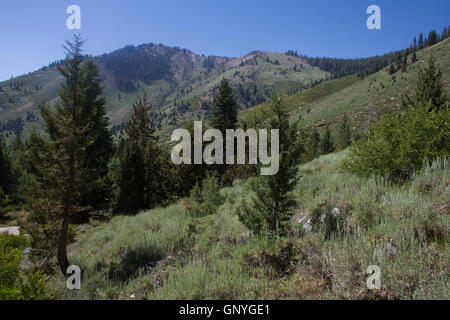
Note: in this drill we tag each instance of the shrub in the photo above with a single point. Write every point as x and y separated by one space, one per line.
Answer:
15 282
398 144
143 254
207 199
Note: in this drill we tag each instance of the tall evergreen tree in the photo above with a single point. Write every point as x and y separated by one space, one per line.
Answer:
270 208
444 33
7 183
224 112
398 60
59 164
344 134
312 147
391 69
327 143
156 170
421 41
131 181
101 149
432 38
405 60
429 87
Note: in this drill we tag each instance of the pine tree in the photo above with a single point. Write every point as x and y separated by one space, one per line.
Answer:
432 38
414 56
312 147
421 41
101 149
270 208
344 134
156 168
7 183
444 33
224 112
429 87
398 61
224 115
59 164
327 143
131 181
391 69
405 60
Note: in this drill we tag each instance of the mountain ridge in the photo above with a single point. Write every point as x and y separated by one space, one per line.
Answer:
178 82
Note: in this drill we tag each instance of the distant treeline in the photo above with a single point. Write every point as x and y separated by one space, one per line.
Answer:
16 125
364 66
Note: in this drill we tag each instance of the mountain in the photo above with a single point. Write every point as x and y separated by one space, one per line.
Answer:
362 99
180 83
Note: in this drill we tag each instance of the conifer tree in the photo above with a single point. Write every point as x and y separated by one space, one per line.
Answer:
327 143
398 61
312 147
405 60
101 148
131 181
444 34
391 69
344 134
6 181
59 163
155 171
414 56
270 208
224 114
429 87
432 38
421 41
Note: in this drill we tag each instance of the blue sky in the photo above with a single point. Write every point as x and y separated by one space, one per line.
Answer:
33 31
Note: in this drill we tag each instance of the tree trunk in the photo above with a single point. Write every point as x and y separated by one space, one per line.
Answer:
63 261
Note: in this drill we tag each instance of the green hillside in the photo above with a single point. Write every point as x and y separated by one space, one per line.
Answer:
362 100
166 254
180 84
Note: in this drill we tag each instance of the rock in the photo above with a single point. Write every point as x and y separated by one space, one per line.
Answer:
335 211
11 230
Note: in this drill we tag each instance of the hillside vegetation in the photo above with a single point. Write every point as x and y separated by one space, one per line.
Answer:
363 100
180 83
166 254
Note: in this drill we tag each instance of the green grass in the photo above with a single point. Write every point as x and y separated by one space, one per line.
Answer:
165 254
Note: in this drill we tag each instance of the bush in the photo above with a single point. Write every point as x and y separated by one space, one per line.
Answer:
15 282
398 144
205 200
145 253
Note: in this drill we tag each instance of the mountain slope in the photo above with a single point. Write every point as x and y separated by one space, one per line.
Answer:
180 83
363 100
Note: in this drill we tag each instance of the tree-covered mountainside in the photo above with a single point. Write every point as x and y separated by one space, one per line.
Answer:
179 83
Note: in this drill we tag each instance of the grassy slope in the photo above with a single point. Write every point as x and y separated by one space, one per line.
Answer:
362 100
164 254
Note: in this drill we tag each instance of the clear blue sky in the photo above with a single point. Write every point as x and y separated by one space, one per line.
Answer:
33 31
